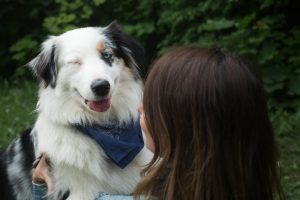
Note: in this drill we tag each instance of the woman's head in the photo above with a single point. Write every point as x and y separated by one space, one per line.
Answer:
207 115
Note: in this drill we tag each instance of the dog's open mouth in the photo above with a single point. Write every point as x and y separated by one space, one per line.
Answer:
99 106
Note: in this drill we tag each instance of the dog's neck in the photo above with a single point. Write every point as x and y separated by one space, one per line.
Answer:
120 142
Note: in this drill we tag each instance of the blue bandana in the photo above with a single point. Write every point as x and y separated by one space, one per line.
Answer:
121 143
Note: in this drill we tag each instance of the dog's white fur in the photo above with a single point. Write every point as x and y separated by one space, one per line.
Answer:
79 164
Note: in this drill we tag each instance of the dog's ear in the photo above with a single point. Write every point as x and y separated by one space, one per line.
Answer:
127 47
44 65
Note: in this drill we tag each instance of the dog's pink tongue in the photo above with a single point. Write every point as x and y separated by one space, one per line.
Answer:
99 106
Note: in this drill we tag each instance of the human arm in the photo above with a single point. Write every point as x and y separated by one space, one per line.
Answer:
41 178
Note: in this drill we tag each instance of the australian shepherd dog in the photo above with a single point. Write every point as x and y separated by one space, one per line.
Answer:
89 81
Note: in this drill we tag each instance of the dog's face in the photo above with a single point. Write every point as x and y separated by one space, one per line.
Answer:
87 64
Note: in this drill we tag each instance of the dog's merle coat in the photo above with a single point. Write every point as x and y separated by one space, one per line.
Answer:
15 167
68 68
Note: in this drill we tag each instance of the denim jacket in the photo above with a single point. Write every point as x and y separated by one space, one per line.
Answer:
104 196
40 193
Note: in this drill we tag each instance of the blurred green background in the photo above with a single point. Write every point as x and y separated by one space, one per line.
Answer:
267 32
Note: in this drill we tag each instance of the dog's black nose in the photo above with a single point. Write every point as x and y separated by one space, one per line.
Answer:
100 87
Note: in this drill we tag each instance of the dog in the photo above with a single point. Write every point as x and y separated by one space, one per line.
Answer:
89 80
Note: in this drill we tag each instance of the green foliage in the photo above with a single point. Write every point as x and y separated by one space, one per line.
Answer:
70 15
266 32
22 48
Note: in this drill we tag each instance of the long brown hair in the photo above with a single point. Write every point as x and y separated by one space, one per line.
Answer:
207 114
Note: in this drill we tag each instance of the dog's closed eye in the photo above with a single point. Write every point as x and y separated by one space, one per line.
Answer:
75 62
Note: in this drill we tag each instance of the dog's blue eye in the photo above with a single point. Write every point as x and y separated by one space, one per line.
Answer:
107 55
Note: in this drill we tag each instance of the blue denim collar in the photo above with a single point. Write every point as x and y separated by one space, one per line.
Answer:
120 142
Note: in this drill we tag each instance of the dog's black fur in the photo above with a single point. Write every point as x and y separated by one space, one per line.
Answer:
5 190
7 161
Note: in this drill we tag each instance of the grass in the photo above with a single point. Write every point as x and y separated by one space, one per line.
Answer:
289 147
18 101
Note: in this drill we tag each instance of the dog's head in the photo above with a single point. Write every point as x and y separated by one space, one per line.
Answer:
89 62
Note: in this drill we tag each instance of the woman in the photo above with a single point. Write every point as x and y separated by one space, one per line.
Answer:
205 117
